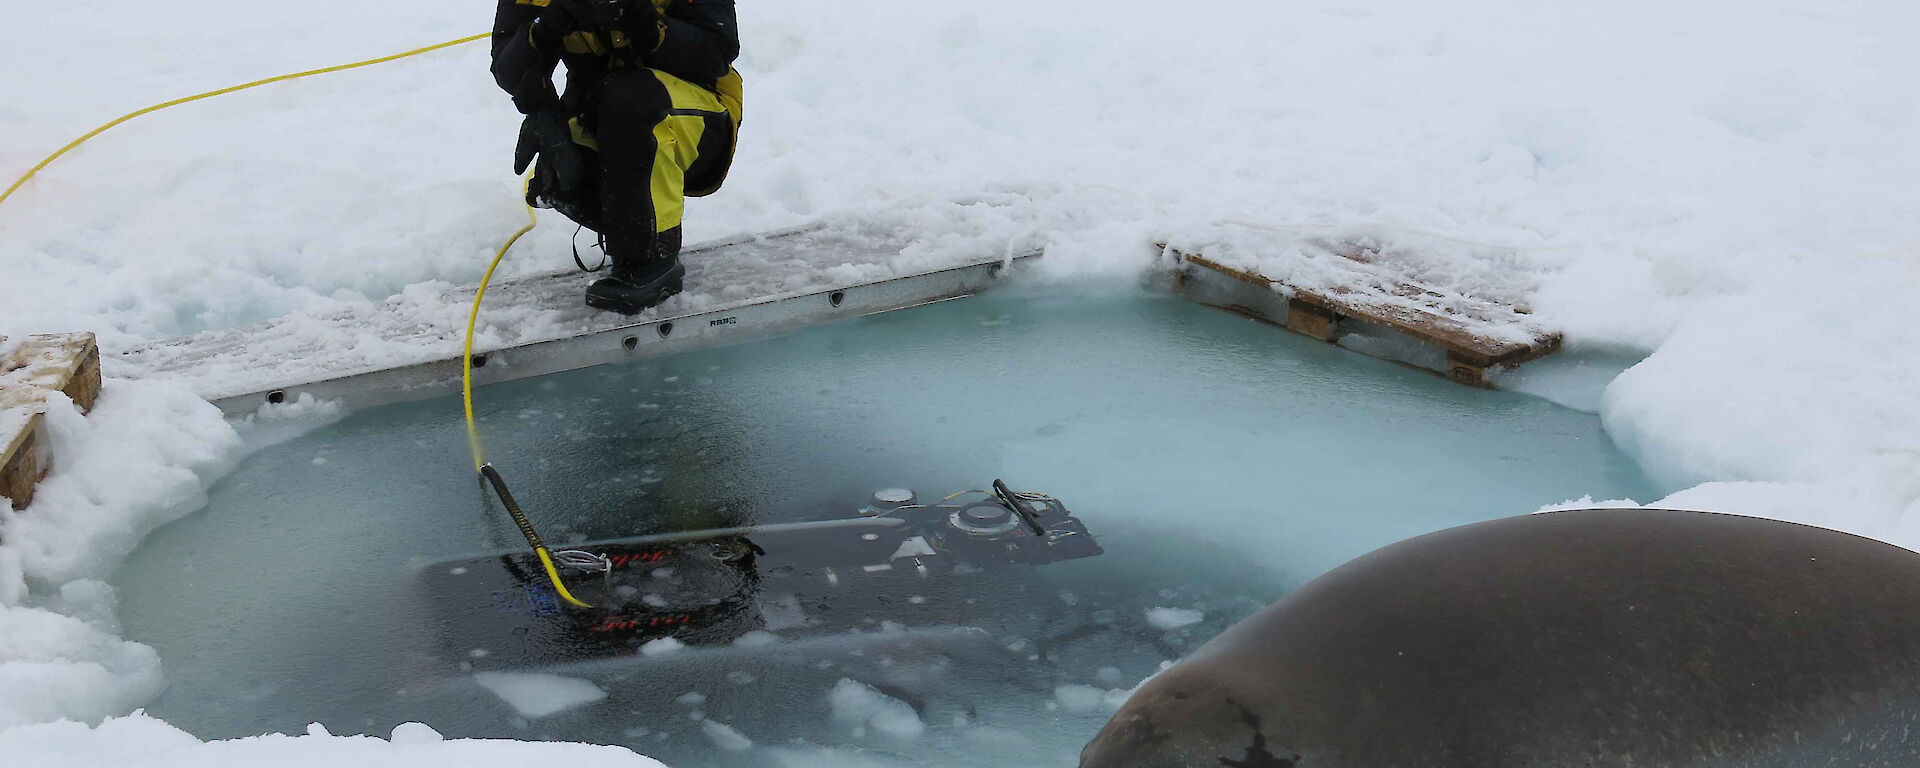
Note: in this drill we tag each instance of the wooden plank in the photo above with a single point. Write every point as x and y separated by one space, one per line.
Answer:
65 363
1315 322
1485 336
21 467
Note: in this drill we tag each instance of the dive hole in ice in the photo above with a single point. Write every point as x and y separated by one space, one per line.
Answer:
1220 461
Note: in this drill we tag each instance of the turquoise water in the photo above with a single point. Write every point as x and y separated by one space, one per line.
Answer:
1222 462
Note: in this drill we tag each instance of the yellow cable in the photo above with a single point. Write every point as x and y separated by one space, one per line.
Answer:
473 319
553 575
223 91
466 398
466 363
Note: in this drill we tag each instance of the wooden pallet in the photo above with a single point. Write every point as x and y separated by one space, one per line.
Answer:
1475 341
65 363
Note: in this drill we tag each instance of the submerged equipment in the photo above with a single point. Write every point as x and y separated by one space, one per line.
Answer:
893 560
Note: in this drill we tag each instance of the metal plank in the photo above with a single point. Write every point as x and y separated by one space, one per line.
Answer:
729 324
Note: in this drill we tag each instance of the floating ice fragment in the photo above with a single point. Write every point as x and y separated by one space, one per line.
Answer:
861 706
660 646
1173 618
725 737
692 698
756 639
1079 699
534 696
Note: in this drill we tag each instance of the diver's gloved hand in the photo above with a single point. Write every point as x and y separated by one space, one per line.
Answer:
548 135
645 25
640 20
551 27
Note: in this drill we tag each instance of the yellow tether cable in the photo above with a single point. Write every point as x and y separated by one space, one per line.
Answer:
466 374
473 427
222 92
466 356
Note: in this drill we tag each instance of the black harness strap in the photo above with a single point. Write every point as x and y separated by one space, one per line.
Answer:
600 241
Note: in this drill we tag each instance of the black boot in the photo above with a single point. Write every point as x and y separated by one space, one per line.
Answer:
635 289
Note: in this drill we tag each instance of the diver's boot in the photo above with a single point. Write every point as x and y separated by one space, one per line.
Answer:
632 290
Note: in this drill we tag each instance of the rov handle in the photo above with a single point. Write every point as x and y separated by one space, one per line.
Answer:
1020 507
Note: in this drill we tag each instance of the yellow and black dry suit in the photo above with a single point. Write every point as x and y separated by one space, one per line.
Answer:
652 97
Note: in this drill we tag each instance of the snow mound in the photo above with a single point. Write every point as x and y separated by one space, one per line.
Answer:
144 742
144 457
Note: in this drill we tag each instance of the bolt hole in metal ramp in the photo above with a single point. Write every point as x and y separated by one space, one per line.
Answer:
1220 464
761 285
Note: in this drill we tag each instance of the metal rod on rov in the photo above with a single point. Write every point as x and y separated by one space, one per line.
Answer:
1020 508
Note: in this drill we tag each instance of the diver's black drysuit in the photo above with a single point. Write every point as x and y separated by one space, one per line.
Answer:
650 115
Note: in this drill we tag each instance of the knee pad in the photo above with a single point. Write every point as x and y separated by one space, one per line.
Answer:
633 97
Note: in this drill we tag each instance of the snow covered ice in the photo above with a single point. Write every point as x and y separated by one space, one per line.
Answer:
1715 197
144 741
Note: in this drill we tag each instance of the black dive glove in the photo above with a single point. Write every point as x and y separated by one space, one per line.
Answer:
549 135
638 20
643 24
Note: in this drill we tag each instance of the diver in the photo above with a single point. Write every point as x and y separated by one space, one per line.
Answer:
650 116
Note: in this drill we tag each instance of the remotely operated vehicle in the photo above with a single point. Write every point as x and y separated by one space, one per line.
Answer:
896 558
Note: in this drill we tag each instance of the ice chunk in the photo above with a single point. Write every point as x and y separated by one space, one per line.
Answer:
725 737
535 695
692 698
756 639
660 646
859 705
1079 699
1173 618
